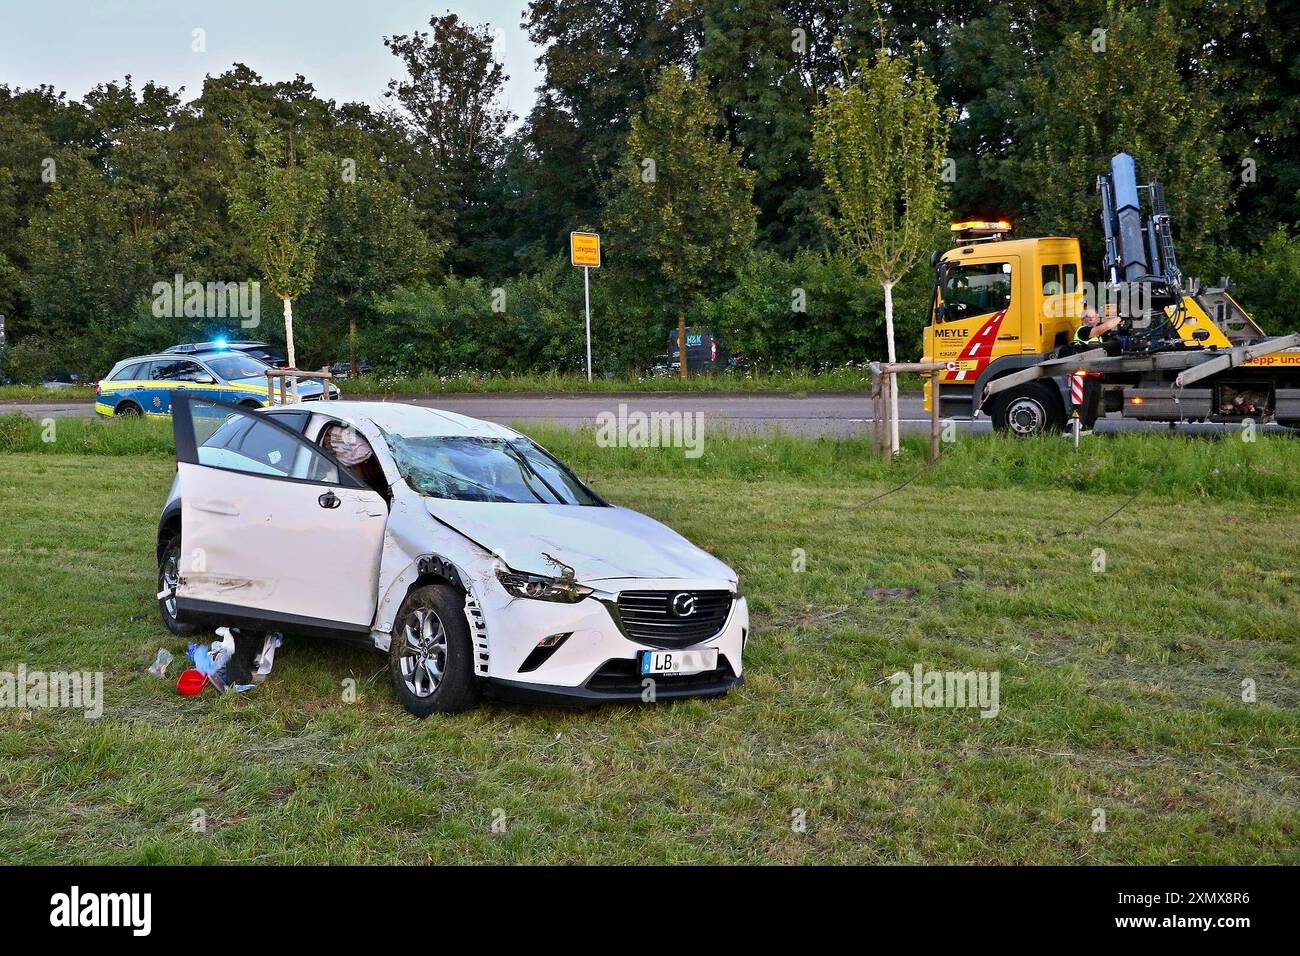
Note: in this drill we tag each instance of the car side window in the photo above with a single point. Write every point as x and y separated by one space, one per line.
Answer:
180 371
132 373
243 441
295 420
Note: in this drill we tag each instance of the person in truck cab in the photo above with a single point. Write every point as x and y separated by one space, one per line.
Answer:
1092 328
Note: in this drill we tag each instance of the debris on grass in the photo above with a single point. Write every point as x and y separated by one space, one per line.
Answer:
160 661
883 593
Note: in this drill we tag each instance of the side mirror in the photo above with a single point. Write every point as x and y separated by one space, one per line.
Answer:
205 380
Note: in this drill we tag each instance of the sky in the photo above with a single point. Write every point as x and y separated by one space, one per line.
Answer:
338 45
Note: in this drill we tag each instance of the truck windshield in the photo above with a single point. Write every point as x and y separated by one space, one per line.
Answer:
486 469
976 288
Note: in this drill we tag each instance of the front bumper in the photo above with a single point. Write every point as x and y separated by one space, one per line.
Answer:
616 687
598 661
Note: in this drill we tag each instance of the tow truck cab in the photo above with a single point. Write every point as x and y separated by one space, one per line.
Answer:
999 305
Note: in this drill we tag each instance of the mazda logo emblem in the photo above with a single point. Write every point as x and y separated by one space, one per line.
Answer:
684 604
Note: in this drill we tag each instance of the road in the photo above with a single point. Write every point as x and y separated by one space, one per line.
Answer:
817 414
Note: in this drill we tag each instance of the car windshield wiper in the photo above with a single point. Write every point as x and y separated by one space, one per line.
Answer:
514 453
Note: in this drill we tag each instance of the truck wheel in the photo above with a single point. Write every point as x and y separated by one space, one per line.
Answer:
1028 410
431 657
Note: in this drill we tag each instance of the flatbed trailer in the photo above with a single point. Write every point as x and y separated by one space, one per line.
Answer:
1259 382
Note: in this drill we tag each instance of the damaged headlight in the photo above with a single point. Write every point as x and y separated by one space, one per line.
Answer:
539 587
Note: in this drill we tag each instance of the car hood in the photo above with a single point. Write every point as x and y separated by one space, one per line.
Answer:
598 543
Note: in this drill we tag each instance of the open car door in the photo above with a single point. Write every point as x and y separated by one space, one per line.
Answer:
275 533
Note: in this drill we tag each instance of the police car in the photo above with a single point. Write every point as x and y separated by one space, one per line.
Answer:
145 385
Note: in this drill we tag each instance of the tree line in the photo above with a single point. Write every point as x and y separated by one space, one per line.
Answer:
430 234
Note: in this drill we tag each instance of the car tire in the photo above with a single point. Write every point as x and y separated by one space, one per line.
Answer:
128 410
168 575
250 404
431 657
1028 410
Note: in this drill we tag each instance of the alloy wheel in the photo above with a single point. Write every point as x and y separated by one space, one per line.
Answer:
171 579
424 656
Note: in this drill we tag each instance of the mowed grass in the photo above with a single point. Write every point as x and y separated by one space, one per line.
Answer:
848 377
1223 467
1121 691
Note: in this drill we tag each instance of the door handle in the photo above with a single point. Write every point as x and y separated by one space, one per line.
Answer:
329 500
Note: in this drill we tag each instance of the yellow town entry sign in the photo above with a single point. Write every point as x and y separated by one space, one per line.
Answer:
584 249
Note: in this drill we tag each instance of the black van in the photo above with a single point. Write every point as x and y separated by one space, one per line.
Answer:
705 352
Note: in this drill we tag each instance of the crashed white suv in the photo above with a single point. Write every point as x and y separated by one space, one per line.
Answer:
478 561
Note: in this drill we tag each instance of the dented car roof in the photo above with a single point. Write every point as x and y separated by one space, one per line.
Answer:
413 420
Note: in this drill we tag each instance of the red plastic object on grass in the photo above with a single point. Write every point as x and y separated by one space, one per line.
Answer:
191 683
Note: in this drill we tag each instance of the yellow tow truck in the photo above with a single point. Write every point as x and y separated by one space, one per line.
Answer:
1005 311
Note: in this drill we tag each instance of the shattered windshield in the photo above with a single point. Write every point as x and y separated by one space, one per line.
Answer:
486 469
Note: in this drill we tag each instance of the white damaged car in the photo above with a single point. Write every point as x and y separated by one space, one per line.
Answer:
467 552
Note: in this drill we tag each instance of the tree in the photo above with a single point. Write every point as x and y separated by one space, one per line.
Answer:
601 59
276 201
684 215
1123 92
88 265
880 144
450 98
41 136
768 62
371 240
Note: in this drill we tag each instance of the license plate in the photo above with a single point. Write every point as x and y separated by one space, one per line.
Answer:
679 662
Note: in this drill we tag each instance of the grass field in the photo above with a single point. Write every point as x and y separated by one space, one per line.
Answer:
36 393
839 379
1120 691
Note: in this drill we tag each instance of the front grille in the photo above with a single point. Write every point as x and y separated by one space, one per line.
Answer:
623 678
649 617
